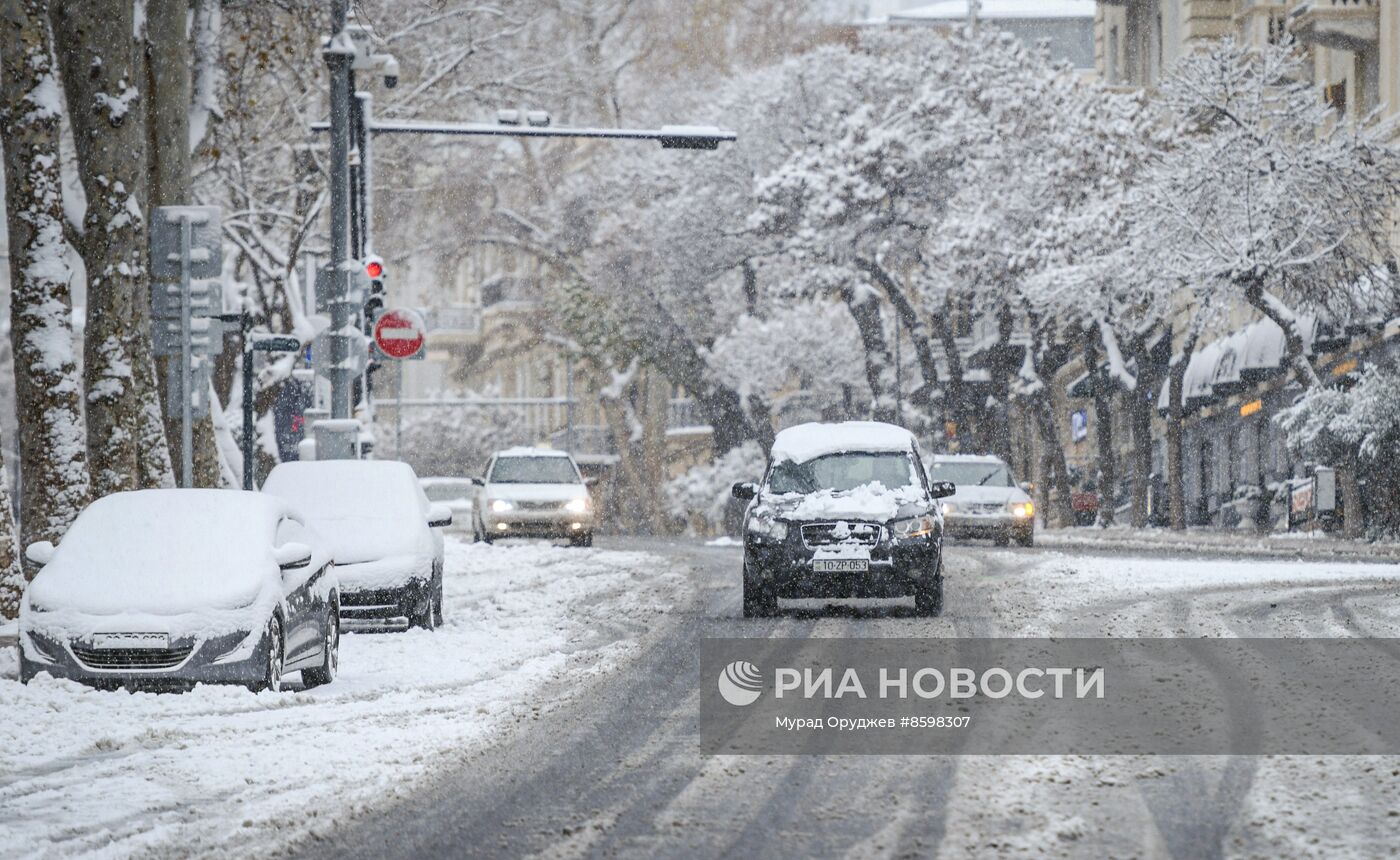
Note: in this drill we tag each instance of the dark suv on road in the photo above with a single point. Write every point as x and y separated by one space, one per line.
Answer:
844 510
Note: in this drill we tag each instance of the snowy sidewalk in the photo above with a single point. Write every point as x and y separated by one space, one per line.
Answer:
223 771
1241 543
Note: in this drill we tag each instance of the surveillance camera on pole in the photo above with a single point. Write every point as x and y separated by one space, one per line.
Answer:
508 116
537 118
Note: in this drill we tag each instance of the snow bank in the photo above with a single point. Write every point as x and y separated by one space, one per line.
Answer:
221 770
808 441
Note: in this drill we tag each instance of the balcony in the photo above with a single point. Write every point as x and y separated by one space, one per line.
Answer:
1347 25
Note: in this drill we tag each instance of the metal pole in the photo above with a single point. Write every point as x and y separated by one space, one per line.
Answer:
248 411
398 410
342 315
186 358
366 171
569 393
898 372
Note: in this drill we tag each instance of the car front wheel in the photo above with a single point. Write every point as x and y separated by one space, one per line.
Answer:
759 599
429 610
928 594
273 652
330 653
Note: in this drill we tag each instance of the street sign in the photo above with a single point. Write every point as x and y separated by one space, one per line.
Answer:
399 333
341 354
206 242
327 293
186 259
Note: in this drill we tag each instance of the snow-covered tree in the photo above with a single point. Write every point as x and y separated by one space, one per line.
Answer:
53 456
455 440
1270 198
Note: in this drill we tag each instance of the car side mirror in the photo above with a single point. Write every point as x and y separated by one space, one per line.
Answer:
590 480
942 489
439 516
40 552
291 556
477 482
1026 486
745 490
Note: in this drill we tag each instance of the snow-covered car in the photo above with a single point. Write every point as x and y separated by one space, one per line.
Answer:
455 493
383 535
844 510
988 503
533 492
169 588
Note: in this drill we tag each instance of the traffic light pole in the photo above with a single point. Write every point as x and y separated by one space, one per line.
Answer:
339 55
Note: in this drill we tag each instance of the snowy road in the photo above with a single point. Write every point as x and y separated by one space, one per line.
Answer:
221 771
617 773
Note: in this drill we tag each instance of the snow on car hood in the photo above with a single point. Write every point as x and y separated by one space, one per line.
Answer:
970 493
393 571
178 561
872 501
536 492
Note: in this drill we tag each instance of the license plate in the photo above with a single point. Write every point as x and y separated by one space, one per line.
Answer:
841 565
130 641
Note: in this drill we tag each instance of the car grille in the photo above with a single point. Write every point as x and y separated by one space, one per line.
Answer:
132 658
983 508
539 506
830 534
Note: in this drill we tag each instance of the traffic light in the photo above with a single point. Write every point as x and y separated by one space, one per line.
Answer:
374 301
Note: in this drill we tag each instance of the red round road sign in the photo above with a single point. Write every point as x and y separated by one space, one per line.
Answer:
399 333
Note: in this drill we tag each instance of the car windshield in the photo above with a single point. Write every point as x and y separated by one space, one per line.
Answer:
842 472
971 474
448 491
533 470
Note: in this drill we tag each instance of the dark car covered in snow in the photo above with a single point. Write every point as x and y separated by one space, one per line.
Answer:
844 511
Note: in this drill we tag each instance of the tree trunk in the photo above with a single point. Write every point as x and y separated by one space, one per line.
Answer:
1107 478
53 458
1140 404
918 329
1054 469
1176 478
126 442
1002 367
11 576
634 405
864 305
167 103
1353 522
954 390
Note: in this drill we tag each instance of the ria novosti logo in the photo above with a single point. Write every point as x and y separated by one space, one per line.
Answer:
740 683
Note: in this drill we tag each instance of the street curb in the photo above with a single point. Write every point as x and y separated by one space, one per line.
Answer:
1244 548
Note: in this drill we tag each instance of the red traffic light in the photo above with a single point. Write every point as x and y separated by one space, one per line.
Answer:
374 268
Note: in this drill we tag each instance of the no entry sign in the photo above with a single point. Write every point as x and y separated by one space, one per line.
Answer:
399 333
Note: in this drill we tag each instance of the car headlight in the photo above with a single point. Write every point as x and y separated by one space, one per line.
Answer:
577 506
500 506
1022 510
914 528
949 507
764 524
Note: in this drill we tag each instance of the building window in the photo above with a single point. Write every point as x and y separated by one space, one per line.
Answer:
1336 96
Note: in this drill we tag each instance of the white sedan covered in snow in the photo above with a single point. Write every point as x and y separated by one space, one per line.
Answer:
169 588
383 534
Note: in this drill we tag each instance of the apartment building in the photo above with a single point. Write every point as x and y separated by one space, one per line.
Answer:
1234 382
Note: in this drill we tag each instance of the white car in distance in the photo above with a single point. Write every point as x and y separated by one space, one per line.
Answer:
533 492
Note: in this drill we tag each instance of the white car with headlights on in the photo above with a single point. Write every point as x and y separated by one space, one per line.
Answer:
172 588
988 503
533 492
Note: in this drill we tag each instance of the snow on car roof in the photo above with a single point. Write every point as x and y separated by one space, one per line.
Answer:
805 442
522 451
163 551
